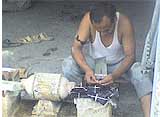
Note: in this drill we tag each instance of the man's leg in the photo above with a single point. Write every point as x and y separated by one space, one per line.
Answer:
143 86
146 104
72 70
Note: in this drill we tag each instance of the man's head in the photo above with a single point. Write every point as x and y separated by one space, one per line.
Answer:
103 17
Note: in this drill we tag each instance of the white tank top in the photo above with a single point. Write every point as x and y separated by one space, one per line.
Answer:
113 53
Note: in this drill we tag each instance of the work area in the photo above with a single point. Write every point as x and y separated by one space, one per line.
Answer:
37 39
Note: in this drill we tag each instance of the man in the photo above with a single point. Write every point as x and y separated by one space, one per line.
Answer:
110 35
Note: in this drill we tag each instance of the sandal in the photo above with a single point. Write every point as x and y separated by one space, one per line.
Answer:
35 38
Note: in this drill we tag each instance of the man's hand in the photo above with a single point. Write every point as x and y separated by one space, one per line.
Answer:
107 80
90 77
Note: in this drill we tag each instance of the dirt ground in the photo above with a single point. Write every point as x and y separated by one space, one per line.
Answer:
60 21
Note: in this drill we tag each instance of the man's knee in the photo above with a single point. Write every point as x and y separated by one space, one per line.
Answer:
143 86
72 76
71 71
141 82
66 66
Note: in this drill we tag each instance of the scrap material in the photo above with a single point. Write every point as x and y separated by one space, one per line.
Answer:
155 105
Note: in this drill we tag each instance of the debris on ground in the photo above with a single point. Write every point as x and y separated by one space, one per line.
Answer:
35 38
49 51
12 74
27 40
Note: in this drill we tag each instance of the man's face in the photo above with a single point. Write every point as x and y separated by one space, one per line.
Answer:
105 26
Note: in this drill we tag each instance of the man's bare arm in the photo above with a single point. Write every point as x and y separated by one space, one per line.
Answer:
128 44
82 36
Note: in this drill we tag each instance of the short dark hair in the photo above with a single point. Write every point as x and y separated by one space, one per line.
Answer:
99 10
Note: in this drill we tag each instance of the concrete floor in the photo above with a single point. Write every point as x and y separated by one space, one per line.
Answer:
60 20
